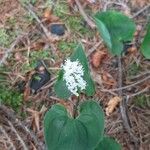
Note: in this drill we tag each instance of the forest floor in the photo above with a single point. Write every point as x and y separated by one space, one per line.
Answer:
25 41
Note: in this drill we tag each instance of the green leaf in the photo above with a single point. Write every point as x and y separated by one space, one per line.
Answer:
115 28
66 133
145 47
108 143
81 57
104 32
60 85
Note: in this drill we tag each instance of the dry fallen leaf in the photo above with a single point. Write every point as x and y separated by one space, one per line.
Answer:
38 45
26 93
96 77
49 17
27 89
47 13
108 78
35 115
112 104
97 58
132 49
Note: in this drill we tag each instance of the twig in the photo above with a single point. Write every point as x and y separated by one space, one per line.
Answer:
122 105
138 93
48 86
120 76
140 11
128 86
139 75
87 19
11 116
116 3
55 98
36 141
90 51
18 136
123 108
28 51
8 51
45 30
12 147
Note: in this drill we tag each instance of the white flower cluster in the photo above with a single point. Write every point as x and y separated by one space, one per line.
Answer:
73 75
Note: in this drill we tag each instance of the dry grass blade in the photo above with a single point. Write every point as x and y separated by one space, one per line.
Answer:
8 51
87 19
19 126
7 139
141 10
128 86
45 30
24 146
90 51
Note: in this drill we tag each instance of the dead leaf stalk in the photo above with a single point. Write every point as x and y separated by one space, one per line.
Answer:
141 11
123 105
18 136
128 86
8 51
45 30
11 145
94 48
86 18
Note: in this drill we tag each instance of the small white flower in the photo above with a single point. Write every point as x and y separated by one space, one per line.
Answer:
73 75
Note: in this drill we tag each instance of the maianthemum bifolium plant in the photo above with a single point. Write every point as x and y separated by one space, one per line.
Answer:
85 130
116 29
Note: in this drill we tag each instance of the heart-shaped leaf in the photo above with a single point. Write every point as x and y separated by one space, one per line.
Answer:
145 47
61 88
108 143
115 28
66 133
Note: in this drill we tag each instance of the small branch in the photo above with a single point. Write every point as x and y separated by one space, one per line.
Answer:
90 51
18 136
87 19
140 11
120 75
32 135
116 3
122 104
21 126
139 75
128 86
55 98
123 108
8 51
140 92
45 30
48 85
12 147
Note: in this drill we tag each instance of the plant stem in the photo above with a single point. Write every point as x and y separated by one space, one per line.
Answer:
76 108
